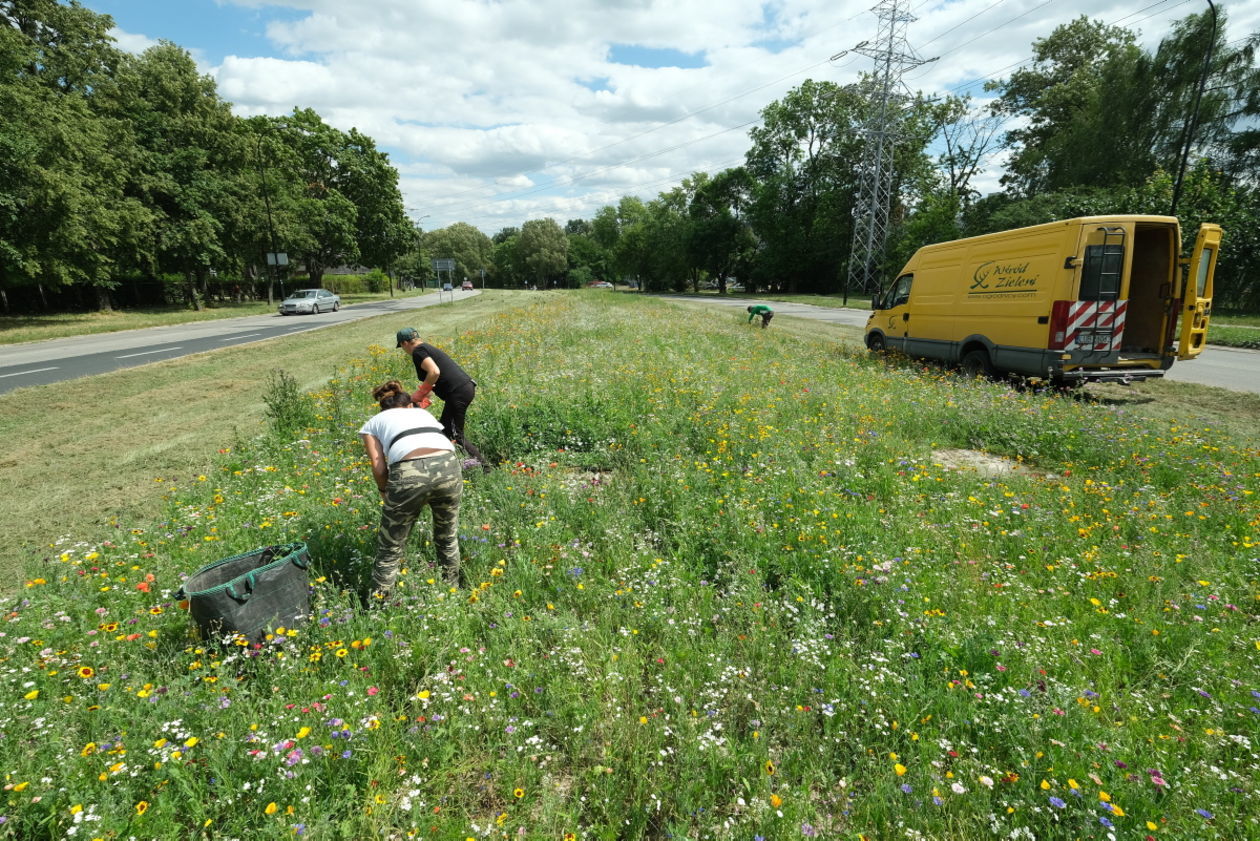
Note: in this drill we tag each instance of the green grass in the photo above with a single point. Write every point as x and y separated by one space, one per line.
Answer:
728 583
140 430
34 328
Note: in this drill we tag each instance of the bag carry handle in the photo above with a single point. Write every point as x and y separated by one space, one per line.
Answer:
297 554
249 589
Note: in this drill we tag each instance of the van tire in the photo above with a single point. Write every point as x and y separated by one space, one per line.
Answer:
975 364
875 343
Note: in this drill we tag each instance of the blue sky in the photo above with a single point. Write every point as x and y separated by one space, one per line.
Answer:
500 111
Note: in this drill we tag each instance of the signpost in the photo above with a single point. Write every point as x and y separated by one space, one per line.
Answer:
445 264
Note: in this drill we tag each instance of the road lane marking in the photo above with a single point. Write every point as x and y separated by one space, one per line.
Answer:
32 371
234 338
147 352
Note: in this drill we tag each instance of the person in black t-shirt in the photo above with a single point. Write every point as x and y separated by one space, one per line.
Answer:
440 375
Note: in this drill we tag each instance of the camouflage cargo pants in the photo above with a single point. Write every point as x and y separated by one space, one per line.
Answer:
437 482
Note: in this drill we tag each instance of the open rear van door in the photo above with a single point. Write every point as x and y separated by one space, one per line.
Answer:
1196 299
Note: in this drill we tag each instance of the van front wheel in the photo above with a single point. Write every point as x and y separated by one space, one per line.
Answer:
875 343
975 364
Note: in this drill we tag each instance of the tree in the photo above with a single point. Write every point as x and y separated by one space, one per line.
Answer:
382 230
543 249
63 215
803 183
1063 83
719 239
609 228
187 153
1099 111
470 248
322 221
585 255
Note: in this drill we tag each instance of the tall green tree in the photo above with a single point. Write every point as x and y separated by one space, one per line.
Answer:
719 239
63 215
471 250
1099 111
322 221
186 153
382 230
801 164
1064 82
544 250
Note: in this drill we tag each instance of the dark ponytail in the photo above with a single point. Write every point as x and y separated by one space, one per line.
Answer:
392 395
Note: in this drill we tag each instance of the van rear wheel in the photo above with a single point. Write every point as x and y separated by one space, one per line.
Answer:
975 364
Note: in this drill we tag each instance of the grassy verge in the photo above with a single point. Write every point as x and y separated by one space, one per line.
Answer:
34 328
118 440
727 583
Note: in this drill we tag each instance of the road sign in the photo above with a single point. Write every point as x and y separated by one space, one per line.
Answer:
443 264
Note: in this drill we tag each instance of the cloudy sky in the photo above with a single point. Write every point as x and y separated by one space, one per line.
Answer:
500 111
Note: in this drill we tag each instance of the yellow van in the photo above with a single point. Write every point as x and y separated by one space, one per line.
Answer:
1091 299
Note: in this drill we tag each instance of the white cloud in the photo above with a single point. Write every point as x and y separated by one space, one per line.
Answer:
129 42
496 112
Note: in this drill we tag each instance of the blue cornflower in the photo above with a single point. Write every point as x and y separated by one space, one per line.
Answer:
1204 813
1057 802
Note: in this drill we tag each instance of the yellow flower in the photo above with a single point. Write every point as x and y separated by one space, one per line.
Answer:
518 793
304 732
776 801
88 749
1151 826
21 786
423 694
769 768
191 742
1045 786
32 695
142 807
900 769
271 808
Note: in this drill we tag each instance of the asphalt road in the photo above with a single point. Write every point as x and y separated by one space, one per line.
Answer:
42 363
1236 369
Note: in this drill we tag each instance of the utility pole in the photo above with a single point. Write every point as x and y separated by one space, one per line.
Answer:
1192 123
273 256
893 57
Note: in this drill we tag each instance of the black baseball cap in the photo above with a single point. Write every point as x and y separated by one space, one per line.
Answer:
407 334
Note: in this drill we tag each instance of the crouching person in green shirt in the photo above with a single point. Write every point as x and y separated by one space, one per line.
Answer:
760 310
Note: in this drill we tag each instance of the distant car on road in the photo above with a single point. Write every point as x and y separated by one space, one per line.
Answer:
467 286
446 287
599 284
310 301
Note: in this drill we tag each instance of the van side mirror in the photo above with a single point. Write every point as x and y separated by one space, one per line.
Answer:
874 302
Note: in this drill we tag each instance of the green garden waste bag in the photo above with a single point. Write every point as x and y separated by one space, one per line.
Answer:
250 594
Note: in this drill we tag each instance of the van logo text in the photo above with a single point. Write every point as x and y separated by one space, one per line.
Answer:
995 275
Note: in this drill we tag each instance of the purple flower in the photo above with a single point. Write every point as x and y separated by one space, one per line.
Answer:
1057 802
808 830
1205 814
1106 822
906 788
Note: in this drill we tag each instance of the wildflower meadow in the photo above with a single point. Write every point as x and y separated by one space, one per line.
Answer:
724 583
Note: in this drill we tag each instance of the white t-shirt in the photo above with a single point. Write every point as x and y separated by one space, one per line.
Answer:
388 425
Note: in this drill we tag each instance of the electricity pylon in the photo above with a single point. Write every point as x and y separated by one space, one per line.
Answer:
893 57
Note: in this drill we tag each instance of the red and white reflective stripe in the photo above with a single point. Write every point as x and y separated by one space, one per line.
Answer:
1097 316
